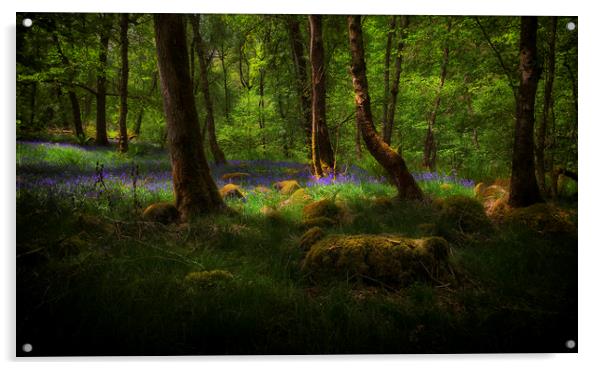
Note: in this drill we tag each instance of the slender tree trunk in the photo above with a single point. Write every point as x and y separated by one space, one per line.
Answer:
217 153
138 124
320 139
523 185
261 108
358 139
301 81
407 188
123 84
222 58
195 191
75 108
32 103
388 127
390 36
430 147
540 167
101 88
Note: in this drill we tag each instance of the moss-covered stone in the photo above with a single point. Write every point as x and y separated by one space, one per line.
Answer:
235 176
204 279
231 191
465 215
322 208
310 237
94 224
300 196
542 218
445 187
287 187
162 212
318 221
389 259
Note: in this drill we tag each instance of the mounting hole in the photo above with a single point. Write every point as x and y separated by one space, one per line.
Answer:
571 26
27 22
27 347
570 344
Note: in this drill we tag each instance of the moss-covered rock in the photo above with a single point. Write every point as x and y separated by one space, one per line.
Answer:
310 237
235 176
478 189
300 196
204 279
287 187
389 259
162 212
321 208
94 224
231 191
542 218
463 214
318 221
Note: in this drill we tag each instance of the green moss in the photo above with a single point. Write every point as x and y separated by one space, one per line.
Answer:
318 221
162 212
300 196
310 237
207 278
231 191
542 218
322 208
464 214
287 187
389 259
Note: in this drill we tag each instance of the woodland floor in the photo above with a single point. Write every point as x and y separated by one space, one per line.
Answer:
94 279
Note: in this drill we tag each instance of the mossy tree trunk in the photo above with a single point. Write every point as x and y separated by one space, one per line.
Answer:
407 188
195 191
218 154
392 102
523 185
430 147
123 84
301 81
101 82
540 165
320 138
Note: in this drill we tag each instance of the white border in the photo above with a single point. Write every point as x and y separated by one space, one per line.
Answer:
589 166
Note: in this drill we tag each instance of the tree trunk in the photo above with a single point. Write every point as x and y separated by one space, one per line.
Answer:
523 185
540 167
75 108
222 58
407 188
320 138
301 82
430 147
194 189
388 127
123 84
101 88
76 112
217 153
390 35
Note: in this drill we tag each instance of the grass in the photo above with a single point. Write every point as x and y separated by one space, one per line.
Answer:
93 280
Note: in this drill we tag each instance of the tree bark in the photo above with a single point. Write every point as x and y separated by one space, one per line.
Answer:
523 185
388 127
320 138
101 86
540 166
194 189
218 154
75 108
390 35
407 188
430 148
222 58
123 84
301 82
